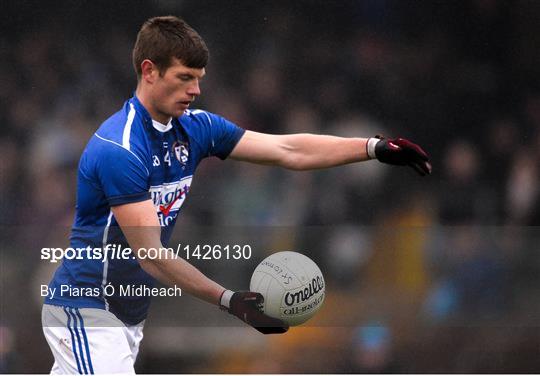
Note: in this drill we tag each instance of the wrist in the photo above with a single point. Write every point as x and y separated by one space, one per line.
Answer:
370 147
225 299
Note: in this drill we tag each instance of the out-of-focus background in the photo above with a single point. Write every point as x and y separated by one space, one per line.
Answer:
435 274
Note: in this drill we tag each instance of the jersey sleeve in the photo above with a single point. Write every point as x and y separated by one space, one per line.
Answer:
218 135
122 175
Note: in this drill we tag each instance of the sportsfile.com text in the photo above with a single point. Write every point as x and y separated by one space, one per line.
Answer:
120 252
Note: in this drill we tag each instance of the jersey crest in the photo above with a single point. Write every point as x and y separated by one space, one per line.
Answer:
181 152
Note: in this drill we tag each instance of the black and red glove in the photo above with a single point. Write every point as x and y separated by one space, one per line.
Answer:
246 306
399 152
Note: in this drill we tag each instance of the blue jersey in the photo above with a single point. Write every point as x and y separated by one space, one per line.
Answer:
132 158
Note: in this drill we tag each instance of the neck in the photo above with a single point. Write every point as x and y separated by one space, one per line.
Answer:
148 105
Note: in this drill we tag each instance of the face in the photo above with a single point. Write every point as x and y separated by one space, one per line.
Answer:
173 91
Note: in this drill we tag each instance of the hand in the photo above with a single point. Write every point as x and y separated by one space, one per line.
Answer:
399 152
245 306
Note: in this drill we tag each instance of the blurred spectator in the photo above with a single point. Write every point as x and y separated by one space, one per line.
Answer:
523 189
372 350
461 200
7 349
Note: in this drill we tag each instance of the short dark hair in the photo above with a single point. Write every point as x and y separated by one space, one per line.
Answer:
162 38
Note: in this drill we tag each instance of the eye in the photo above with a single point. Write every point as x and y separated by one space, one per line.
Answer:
185 77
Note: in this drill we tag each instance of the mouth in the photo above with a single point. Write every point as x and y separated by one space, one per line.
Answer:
184 104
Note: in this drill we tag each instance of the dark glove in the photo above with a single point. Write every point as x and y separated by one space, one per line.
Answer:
399 152
245 305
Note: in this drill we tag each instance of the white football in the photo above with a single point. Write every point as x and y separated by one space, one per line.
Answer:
292 286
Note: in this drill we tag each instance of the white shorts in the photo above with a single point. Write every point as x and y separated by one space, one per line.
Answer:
89 340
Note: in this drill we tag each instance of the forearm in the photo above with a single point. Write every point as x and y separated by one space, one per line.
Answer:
176 271
309 151
141 228
169 269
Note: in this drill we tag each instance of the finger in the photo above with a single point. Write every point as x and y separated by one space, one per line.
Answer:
272 326
423 168
260 300
250 297
417 168
421 161
429 167
406 144
254 302
272 330
422 153
260 319
426 167
266 324
417 150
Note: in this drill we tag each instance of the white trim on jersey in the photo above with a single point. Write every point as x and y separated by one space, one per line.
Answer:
162 127
117 144
106 260
195 112
127 127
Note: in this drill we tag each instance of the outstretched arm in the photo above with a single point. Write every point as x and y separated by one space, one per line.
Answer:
308 151
299 151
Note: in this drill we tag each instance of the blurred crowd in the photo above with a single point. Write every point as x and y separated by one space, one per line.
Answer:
461 78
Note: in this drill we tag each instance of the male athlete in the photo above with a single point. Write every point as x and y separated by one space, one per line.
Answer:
134 176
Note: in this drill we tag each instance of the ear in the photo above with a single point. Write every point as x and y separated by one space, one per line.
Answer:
149 71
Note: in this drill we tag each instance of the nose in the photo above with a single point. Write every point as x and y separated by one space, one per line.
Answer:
194 89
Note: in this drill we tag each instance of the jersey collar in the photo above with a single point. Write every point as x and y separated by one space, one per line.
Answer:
147 118
162 127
